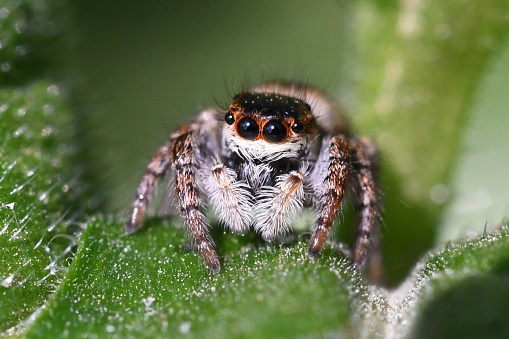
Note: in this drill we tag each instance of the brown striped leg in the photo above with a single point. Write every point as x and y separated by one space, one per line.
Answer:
190 202
334 190
157 167
368 229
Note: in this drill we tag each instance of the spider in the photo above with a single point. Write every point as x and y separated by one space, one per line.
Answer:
278 148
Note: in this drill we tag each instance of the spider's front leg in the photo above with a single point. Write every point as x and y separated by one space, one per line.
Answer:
334 187
189 200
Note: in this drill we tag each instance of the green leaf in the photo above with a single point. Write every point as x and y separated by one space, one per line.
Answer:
479 189
38 183
29 39
420 65
36 192
148 285
458 292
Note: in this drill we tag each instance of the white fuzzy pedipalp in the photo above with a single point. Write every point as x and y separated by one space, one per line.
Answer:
277 205
229 197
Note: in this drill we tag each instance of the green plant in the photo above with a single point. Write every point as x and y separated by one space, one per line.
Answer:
422 81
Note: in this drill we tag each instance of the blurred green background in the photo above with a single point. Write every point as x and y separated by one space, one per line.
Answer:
147 67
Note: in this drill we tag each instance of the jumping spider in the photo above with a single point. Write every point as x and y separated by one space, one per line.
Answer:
278 148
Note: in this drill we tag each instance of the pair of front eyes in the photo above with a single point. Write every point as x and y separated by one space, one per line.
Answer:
273 131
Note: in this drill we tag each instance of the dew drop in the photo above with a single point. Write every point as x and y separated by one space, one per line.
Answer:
19 131
148 303
185 327
7 282
21 50
6 67
47 131
4 108
53 90
48 109
439 194
4 13
20 26
22 111
9 206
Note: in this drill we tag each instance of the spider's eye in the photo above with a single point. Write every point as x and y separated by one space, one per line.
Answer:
297 126
229 118
247 128
274 131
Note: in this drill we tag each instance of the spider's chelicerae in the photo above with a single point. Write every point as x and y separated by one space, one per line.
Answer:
277 149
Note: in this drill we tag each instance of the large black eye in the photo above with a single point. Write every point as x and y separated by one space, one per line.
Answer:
229 118
274 131
297 126
247 128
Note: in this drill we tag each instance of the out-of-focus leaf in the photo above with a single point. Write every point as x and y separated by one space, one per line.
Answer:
38 183
420 66
479 187
30 40
36 191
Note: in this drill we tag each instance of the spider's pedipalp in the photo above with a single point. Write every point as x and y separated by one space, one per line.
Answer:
230 197
278 204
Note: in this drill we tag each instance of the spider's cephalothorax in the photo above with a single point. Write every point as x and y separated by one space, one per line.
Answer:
277 149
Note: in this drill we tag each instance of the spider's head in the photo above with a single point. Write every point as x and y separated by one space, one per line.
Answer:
261 125
270 117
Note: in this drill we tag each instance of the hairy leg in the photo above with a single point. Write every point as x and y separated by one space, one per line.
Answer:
334 187
367 242
157 167
189 200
